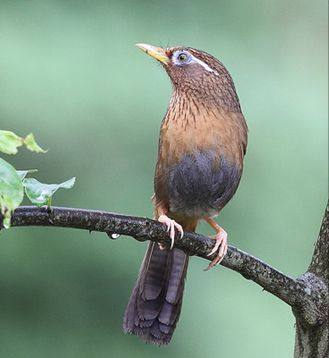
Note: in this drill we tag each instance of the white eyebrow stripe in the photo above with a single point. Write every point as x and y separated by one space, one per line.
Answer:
204 65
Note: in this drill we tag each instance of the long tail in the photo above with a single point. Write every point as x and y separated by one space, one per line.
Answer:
156 300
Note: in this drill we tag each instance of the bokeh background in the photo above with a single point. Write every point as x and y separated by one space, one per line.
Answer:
70 73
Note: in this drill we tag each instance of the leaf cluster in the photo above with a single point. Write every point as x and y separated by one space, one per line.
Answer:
13 183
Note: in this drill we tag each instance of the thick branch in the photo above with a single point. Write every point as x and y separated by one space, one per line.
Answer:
293 292
320 260
312 320
317 276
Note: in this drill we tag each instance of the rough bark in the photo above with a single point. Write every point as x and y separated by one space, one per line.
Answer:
312 328
307 295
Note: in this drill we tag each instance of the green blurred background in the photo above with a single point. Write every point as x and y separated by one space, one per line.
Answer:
70 73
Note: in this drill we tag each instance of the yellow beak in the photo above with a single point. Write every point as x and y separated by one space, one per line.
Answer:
157 52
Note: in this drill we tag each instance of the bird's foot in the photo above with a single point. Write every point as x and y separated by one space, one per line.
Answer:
171 225
220 246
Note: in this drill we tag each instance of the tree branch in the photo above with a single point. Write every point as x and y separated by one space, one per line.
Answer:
312 319
317 276
320 260
307 295
295 292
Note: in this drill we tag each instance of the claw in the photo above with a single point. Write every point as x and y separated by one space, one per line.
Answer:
220 246
171 226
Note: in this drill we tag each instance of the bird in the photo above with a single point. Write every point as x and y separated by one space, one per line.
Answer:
202 144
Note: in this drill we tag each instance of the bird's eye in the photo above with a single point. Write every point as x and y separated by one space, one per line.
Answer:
182 57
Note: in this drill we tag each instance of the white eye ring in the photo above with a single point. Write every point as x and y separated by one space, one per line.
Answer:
181 58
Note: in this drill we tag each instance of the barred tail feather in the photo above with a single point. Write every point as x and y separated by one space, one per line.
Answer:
155 303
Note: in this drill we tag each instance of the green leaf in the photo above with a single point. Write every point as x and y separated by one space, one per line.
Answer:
11 191
9 142
23 173
41 194
32 145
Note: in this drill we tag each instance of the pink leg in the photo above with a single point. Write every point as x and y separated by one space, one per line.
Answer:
220 245
171 225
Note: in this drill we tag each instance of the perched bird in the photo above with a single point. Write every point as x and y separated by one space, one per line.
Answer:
203 140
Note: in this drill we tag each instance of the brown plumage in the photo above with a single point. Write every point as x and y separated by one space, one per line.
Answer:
203 140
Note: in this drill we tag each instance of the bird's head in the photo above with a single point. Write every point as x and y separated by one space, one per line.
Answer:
195 72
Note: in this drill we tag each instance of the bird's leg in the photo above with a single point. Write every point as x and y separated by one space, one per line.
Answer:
171 225
220 245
